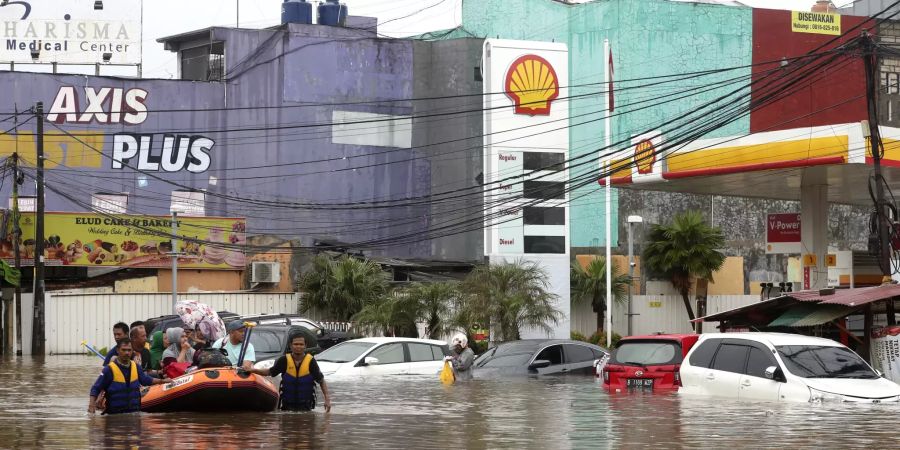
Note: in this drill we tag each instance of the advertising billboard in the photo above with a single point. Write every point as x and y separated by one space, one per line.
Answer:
99 240
71 32
783 233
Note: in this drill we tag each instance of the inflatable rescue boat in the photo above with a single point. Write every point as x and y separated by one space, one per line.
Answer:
212 389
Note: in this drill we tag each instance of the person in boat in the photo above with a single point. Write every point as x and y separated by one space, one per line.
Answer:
200 344
121 383
141 354
462 357
120 331
156 350
179 355
299 374
232 344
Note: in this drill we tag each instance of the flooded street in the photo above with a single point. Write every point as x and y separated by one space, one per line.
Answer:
43 404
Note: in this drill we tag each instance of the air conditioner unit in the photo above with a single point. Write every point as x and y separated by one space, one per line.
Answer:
265 272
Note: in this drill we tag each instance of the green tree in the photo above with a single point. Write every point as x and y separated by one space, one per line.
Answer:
434 303
589 284
509 297
341 286
683 250
398 313
392 315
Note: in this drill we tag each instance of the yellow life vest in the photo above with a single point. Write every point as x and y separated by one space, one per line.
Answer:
304 366
119 377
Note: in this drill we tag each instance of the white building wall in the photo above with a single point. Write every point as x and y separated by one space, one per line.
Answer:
73 318
656 314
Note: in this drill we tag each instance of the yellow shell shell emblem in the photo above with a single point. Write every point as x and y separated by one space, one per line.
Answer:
645 156
532 85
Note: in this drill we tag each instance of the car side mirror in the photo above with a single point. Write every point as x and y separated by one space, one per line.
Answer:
539 364
370 361
775 373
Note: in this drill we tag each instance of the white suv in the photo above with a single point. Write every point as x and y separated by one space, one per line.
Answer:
781 367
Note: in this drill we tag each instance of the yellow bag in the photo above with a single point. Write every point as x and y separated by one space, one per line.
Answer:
447 376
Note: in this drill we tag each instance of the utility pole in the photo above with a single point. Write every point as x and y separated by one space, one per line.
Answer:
37 335
237 8
174 259
883 218
17 233
17 236
882 208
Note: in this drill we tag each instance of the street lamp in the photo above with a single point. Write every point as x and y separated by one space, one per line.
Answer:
631 221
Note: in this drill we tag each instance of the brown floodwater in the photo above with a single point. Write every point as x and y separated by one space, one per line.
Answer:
43 403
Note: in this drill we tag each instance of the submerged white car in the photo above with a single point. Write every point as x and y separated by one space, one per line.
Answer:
383 356
781 367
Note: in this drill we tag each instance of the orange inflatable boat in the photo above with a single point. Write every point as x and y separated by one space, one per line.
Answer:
212 389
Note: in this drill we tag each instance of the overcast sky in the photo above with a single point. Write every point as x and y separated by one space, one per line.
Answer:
168 17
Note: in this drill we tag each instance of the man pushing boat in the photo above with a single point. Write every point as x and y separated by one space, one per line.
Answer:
299 374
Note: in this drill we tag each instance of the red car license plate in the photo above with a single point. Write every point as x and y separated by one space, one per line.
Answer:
644 383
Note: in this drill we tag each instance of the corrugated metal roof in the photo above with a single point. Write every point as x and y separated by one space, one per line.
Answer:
810 314
849 297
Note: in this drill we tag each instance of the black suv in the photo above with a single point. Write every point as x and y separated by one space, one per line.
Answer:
272 341
325 337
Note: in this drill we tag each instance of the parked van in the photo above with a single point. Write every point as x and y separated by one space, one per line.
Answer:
781 367
647 363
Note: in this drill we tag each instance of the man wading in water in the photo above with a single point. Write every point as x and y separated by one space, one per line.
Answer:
299 375
121 380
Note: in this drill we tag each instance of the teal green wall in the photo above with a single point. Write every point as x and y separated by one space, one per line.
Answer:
648 38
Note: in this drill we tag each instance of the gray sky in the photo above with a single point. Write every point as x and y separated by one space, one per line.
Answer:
168 17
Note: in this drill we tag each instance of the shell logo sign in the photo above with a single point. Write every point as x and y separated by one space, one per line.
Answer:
532 85
644 156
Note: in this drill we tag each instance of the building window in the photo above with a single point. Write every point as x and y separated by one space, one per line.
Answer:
544 161
110 203
544 189
26 203
205 63
891 82
535 215
545 244
189 203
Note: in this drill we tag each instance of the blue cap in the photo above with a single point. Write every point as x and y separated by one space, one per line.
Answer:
234 325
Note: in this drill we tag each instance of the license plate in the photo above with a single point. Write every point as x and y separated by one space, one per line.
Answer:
639 383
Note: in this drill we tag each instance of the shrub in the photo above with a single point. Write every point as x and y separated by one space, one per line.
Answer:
599 338
576 336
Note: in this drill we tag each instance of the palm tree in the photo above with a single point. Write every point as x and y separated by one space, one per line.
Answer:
509 297
393 315
433 302
341 286
589 284
685 250
398 313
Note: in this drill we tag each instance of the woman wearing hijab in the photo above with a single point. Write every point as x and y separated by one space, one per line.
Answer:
156 350
179 355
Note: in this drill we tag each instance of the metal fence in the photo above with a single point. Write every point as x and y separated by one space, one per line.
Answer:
655 314
72 318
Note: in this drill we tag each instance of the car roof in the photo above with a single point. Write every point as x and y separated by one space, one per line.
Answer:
383 340
661 337
775 338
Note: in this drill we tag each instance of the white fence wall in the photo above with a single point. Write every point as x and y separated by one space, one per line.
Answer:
72 318
656 313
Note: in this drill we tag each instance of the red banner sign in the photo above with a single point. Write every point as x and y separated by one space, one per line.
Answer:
783 233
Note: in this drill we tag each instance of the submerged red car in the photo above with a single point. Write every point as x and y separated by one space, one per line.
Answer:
647 363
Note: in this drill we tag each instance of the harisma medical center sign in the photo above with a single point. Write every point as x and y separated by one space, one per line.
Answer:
70 31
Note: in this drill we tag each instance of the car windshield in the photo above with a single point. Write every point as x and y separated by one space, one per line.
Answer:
344 352
506 360
813 361
647 353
